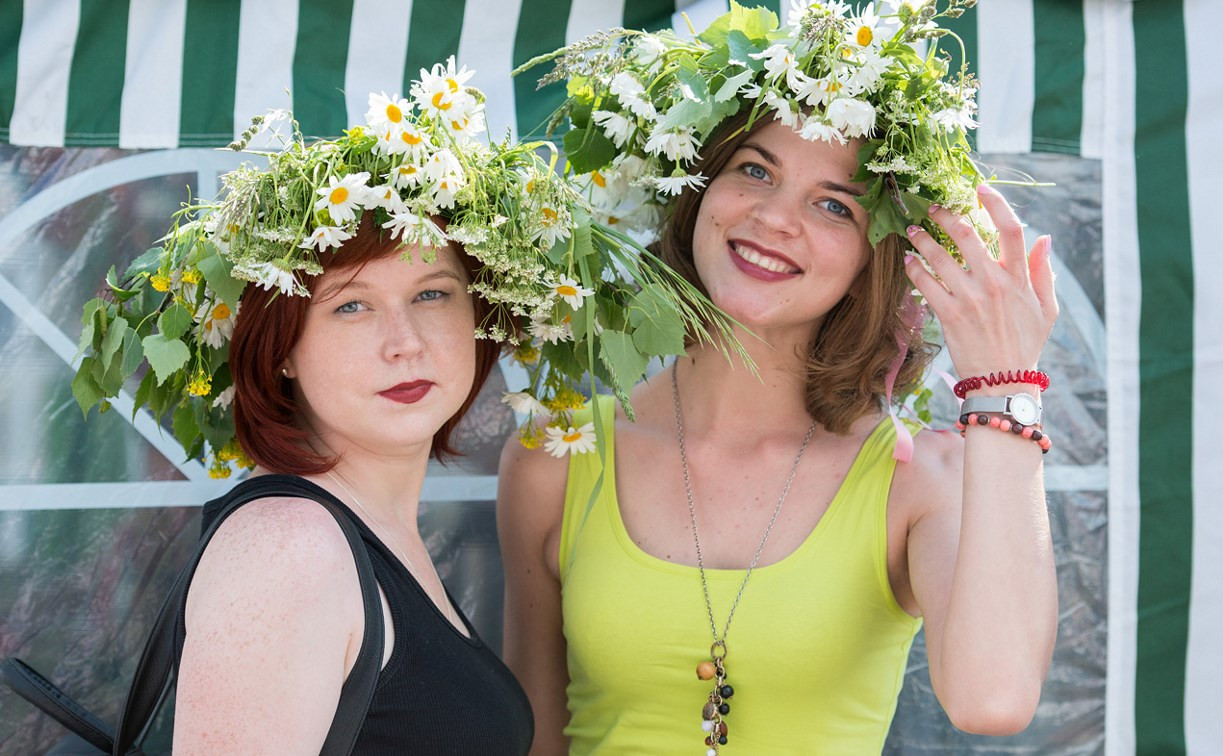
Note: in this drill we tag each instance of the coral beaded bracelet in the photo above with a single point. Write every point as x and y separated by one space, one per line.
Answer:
1001 423
1034 377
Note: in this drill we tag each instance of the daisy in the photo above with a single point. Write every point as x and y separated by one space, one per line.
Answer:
816 129
415 229
779 60
445 189
268 276
573 440
442 164
569 290
615 126
387 112
523 403
440 89
951 118
342 197
631 94
551 333
675 143
386 197
553 226
648 49
677 182
216 323
850 116
784 110
405 176
325 237
862 29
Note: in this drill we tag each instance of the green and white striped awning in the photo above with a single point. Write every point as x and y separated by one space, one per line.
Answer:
1134 85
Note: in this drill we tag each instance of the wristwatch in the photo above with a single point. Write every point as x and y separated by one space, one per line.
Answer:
1022 408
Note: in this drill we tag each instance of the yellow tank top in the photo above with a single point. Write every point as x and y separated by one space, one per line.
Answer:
818 647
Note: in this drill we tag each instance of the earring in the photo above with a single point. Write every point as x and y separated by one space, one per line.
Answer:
284 372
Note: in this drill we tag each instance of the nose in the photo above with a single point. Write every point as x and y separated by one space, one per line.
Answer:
779 211
402 335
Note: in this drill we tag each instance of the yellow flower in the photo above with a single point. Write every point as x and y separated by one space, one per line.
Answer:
530 436
230 452
160 281
527 354
218 470
565 399
191 276
200 385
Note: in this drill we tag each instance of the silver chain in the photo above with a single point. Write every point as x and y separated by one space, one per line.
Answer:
700 561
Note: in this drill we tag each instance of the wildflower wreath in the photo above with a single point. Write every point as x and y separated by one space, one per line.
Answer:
641 105
570 296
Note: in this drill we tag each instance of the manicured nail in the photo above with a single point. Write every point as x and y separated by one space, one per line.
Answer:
984 189
935 208
912 231
908 259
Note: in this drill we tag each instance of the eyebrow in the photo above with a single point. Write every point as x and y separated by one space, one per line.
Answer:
834 186
336 288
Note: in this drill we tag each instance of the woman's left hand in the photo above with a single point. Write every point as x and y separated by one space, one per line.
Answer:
997 314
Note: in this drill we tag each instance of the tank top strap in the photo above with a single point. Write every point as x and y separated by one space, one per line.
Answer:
588 488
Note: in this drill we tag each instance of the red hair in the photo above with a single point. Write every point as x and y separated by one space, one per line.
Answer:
266 412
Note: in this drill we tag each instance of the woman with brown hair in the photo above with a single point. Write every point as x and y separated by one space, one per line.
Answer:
757 527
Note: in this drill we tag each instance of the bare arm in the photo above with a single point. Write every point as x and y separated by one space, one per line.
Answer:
530 503
980 554
274 619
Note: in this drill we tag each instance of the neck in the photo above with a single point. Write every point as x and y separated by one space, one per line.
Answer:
385 488
721 396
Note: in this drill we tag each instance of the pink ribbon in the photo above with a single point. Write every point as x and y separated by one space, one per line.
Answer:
911 315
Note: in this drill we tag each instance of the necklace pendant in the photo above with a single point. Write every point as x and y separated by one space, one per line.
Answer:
717 706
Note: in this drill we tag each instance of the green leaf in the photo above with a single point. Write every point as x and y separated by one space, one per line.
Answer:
143 392
617 352
184 425
117 291
657 328
174 322
741 49
588 149
165 355
583 244
90 322
113 339
84 388
133 353
217 427
111 380
148 262
216 271
754 23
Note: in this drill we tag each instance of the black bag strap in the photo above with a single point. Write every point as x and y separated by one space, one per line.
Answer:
41 692
156 666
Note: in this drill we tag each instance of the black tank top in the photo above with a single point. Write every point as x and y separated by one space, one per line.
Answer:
440 692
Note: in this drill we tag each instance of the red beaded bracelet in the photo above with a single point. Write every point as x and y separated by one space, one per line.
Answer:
1034 377
1002 424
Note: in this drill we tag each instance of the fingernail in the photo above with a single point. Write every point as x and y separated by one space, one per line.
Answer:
984 189
908 259
912 230
935 208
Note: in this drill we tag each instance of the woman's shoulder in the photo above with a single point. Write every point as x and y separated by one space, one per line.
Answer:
935 471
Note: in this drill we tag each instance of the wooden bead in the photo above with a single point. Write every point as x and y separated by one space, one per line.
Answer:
710 710
706 670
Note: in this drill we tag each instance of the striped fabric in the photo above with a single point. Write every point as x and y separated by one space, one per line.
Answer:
1132 84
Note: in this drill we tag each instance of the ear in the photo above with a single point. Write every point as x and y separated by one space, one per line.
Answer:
287 370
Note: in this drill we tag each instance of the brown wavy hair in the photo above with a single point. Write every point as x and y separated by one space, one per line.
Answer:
855 345
266 412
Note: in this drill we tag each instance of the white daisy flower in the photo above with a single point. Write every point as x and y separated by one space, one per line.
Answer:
523 403
677 182
441 164
614 125
648 49
950 118
862 29
441 89
818 92
405 176
445 189
553 226
572 440
550 332
631 93
676 144
325 237
569 290
268 276
386 111
216 322
779 60
816 129
343 196
386 197
783 109
850 116
467 125
224 399
415 229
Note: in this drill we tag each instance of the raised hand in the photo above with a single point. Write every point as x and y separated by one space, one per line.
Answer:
996 314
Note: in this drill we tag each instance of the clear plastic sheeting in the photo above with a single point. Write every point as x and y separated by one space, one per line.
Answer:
79 586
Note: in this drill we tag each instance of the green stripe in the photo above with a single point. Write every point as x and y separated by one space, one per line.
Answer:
95 83
650 15
1057 114
433 36
319 61
1165 373
10 34
965 27
210 73
534 106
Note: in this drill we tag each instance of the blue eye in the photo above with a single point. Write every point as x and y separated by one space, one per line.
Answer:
431 295
840 208
755 171
349 308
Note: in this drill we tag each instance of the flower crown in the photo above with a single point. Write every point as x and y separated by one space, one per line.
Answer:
571 297
641 105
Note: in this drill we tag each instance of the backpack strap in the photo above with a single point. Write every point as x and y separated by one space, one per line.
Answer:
156 667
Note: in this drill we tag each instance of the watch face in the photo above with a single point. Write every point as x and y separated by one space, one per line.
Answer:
1024 409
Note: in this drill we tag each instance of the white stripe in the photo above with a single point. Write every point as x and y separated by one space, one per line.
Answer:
377 49
267 38
44 65
1123 296
153 74
589 16
700 13
486 45
1204 662
1006 43
1095 73
437 488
